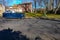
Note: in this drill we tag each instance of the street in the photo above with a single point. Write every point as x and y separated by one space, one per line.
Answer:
45 29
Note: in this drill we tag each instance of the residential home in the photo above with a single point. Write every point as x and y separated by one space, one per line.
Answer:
2 9
24 7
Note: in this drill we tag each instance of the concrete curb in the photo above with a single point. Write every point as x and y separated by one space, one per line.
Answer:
52 19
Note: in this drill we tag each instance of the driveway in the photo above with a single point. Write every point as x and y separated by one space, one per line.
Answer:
45 29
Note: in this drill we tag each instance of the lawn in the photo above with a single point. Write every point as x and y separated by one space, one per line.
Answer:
55 16
33 14
50 16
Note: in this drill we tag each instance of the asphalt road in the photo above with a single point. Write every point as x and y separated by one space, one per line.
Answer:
45 29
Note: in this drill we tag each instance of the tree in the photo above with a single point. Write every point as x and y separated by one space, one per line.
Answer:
35 2
46 7
51 4
39 2
57 5
45 2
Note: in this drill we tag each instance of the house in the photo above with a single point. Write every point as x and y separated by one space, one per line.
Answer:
24 7
2 9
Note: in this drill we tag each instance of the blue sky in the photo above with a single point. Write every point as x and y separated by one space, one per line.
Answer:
12 2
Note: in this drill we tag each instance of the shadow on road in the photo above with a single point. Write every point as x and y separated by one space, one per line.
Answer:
9 34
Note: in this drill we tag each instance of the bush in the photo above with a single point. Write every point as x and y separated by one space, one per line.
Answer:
50 12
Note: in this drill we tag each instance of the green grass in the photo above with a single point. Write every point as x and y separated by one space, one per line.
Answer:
33 14
50 16
55 16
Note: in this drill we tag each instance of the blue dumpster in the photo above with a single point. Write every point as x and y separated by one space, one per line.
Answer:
13 15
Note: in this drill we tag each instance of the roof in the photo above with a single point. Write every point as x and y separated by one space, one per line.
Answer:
26 3
20 4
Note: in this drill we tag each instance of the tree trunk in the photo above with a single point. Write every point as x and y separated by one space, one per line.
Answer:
46 7
35 5
57 6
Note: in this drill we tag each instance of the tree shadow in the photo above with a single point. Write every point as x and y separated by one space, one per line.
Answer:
9 34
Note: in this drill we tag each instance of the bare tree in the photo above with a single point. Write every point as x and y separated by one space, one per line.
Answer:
51 4
39 2
35 2
57 5
45 2
48 5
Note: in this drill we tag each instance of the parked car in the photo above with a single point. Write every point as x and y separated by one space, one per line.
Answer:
8 11
10 14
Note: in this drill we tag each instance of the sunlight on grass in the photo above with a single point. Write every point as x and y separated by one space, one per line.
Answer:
33 15
53 16
50 16
0 15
